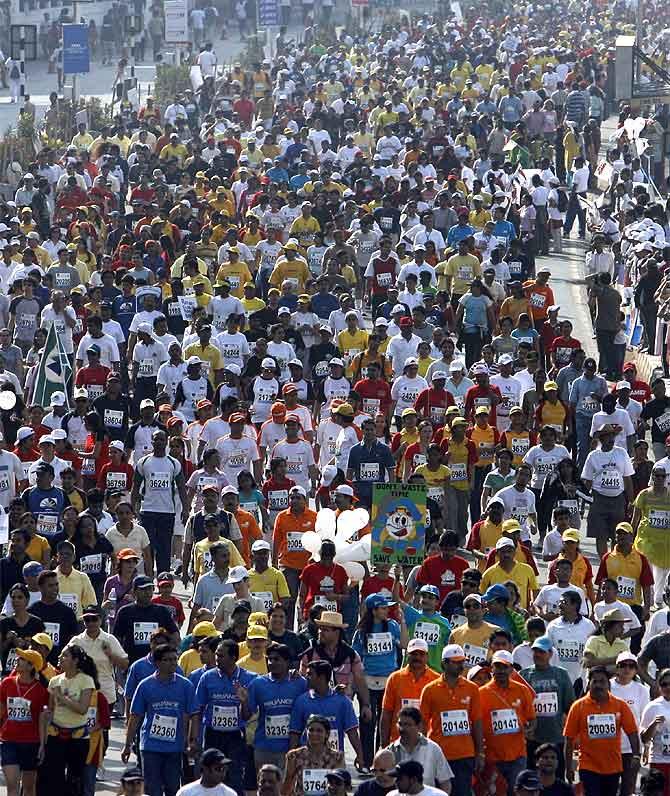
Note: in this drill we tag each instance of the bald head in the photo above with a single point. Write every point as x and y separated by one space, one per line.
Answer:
384 761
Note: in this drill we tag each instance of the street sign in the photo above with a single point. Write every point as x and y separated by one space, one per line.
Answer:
76 56
268 13
176 21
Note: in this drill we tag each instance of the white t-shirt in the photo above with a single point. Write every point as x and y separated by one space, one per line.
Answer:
326 436
149 358
549 595
299 457
170 376
236 455
522 655
660 746
602 607
636 696
518 506
405 391
544 462
569 639
196 789
265 392
606 470
553 543
109 351
510 389
159 485
233 347
58 464
619 417
62 329
11 472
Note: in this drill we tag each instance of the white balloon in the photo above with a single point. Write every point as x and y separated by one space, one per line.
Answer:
355 570
363 517
311 542
358 551
325 523
347 526
7 400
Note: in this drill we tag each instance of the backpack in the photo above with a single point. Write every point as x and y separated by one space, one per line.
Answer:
562 203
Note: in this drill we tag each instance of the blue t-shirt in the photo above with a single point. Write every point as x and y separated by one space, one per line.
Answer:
217 699
123 311
379 653
475 316
323 304
46 505
458 233
138 671
274 700
195 676
504 229
163 705
337 708
580 394
525 335
369 465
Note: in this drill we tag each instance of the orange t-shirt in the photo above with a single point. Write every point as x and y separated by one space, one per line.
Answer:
403 690
599 738
505 713
540 298
286 537
443 709
250 533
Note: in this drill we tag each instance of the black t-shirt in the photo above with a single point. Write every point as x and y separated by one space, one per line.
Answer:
654 410
175 323
9 623
108 409
559 788
134 625
372 788
93 561
60 622
293 641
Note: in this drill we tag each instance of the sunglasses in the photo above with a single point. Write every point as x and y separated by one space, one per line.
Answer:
91 619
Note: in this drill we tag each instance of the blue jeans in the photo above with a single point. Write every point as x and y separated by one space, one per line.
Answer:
461 784
575 210
509 769
88 780
162 773
159 527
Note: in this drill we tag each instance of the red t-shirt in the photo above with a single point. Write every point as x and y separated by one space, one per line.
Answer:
275 493
319 579
432 404
376 395
563 348
22 713
113 476
174 606
414 456
92 375
477 396
375 584
443 573
640 391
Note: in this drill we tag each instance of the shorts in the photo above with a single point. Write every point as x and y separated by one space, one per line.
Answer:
604 515
23 755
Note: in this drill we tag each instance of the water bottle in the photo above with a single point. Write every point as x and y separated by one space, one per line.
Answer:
111 611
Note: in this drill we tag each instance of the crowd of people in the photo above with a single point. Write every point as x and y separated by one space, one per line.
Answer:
223 318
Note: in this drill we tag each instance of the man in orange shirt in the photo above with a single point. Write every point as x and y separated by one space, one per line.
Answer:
594 724
452 715
508 715
403 689
230 498
540 297
287 549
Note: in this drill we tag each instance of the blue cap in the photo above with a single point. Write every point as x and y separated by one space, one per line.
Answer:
142 582
542 643
32 568
373 601
432 590
496 592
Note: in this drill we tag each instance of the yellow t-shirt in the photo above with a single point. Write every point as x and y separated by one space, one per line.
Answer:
209 354
202 561
462 270
522 575
305 229
76 590
296 271
352 344
72 687
237 274
272 580
189 661
37 548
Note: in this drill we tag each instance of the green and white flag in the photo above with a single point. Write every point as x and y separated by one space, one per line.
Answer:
54 370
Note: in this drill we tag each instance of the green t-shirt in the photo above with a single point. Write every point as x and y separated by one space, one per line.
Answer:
434 629
554 697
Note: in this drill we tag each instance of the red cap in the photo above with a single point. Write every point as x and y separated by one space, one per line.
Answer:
406 321
237 417
287 388
629 366
173 421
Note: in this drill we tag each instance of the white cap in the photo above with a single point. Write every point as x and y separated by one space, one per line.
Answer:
506 359
456 366
193 361
417 645
57 399
268 363
237 574
504 541
46 438
147 402
145 328
626 655
80 392
398 308
283 311
502 656
336 361
297 490
230 490
233 368
116 444
622 385
412 361
480 370
381 321
453 652
259 545
58 433
438 374
345 489
24 432
328 474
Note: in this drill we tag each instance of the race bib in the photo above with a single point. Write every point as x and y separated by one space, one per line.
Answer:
663 422
410 703
71 600
47 524
328 605
659 519
459 472
455 722
537 300
384 280
474 655
428 631
62 280
18 709
321 369
626 587
94 391
163 728
266 597
369 471
88 467
91 565
146 368
601 725
435 493
437 414
236 459
590 405
91 718
418 459
379 643
278 500
26 321
371 405
464 273
665 744
504 722
142 631
610 480
520 446
457 620
334 740
294 543
314 781
225 717
113 418
569 651
11 661
52 629
546 704
116 481
293 465
277 726
159 482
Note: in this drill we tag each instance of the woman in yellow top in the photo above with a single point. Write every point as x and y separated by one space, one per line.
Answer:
424 359
436 475
651 523
67 742
570 146
305 227
551 411
235 272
